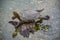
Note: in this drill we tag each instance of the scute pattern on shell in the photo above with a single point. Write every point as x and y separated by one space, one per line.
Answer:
25 29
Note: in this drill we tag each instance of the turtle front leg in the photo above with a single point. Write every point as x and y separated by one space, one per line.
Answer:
16 15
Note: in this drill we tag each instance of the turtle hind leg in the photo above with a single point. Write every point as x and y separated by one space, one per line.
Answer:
13 23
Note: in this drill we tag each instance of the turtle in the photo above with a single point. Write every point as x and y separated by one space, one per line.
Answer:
25 27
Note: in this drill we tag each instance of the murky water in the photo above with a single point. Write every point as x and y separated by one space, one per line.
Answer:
51 8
